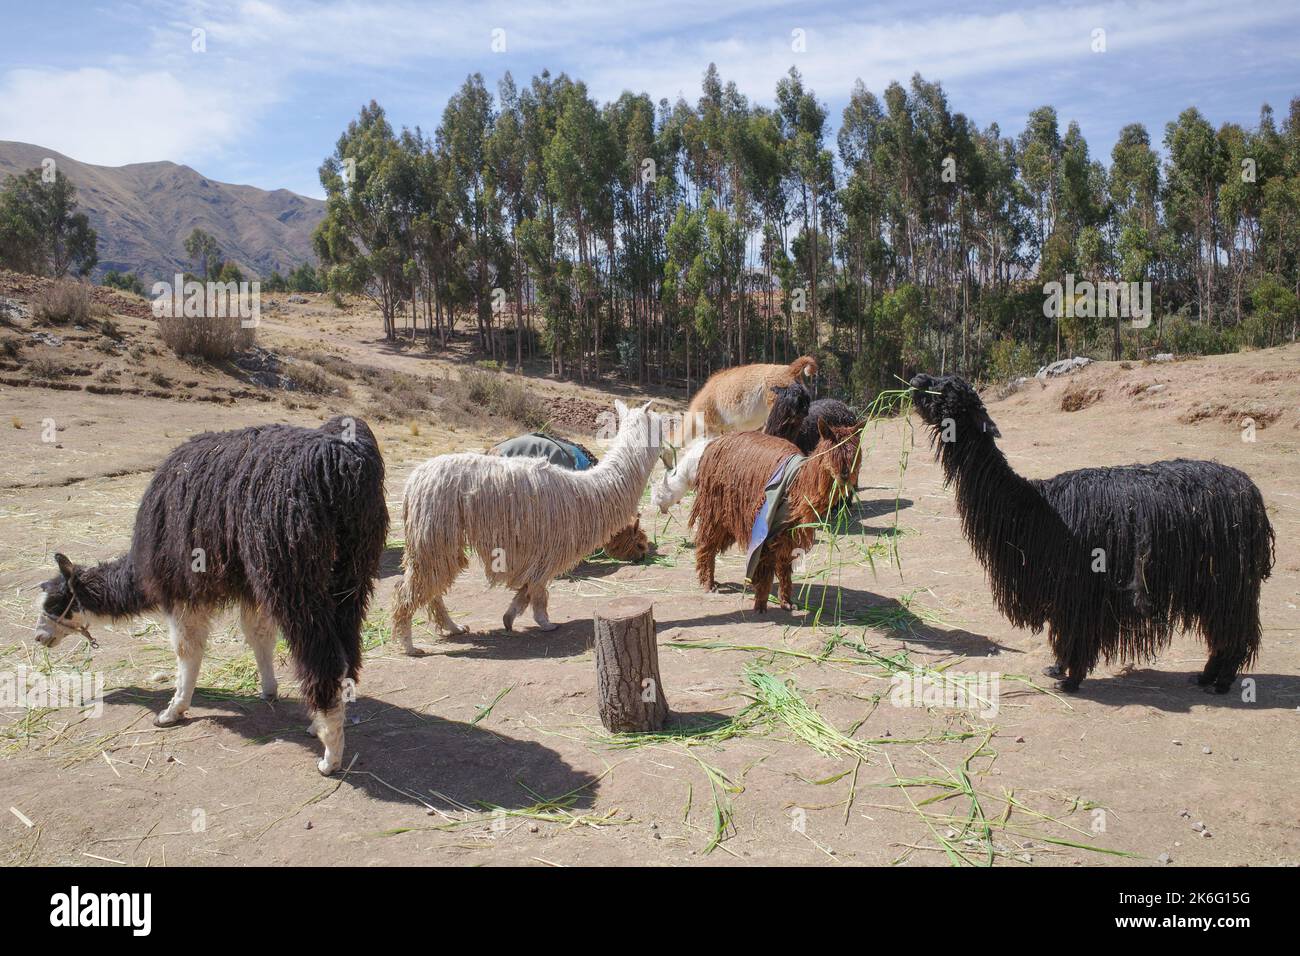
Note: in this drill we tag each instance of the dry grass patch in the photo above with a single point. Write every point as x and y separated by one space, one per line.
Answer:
214 338
1078 396
61 303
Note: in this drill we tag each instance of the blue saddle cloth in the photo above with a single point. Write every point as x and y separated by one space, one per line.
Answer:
538 445
774 514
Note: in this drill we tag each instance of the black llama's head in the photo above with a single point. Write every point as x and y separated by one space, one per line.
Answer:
789 409
952 409
59 610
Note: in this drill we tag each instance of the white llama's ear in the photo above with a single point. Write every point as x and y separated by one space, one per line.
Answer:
646 405
621 409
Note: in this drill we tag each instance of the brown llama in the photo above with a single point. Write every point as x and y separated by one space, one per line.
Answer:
730 491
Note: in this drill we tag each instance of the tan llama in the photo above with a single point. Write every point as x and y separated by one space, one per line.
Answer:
737 399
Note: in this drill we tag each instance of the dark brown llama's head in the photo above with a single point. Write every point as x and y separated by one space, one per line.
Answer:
629 544
59 609
952 408
838 451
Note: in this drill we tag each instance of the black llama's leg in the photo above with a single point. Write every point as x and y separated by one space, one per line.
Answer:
189 634
1071 665
259 633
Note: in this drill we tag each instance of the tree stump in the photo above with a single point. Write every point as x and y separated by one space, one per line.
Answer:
629 691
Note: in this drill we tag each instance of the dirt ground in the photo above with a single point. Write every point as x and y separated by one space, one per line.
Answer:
488 750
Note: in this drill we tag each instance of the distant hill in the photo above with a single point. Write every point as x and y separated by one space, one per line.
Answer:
143 213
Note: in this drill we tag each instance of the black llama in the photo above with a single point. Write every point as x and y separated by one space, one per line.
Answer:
287 522
1111 560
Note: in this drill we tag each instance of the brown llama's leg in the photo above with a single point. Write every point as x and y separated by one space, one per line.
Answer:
540 597
259 633
784 562
189 633
763 580
705 560
516 607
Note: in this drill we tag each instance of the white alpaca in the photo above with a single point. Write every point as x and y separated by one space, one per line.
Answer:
673 486
527 520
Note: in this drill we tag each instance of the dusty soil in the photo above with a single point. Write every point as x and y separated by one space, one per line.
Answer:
488 750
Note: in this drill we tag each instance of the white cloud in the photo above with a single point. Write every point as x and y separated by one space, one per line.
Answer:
111 118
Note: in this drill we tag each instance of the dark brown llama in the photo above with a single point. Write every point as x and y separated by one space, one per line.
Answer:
729 492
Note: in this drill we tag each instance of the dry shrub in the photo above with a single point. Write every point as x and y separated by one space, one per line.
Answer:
46 369
209 337
1078 397
11 346
314 380
498 394
62 302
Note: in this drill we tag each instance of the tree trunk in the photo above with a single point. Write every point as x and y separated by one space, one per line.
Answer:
629 690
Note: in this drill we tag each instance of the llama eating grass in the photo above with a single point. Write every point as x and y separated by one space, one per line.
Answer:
730 492
1111 560
677 481
527 520
289 523
736 399
628 543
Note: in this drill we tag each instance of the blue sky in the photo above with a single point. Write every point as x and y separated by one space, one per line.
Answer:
114 83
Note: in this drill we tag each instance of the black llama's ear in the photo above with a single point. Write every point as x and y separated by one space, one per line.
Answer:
824 430
66 567
987 425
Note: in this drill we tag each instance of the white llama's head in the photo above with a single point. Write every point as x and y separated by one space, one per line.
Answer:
640 431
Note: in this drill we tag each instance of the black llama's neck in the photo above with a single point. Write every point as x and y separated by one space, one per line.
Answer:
112 589
1023 544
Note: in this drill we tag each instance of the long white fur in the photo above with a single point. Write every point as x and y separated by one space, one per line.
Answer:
673 486
527 520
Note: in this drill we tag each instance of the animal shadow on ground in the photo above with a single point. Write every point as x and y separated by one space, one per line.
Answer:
526 642
421 753
1171 689
886 617
390 565
853 522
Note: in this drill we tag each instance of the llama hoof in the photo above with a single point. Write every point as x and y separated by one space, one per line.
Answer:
548 626
509 622
327 767
1200 680
1221 688
760 608
167 718
1054 670
787 606
456 629
270 696
1069 686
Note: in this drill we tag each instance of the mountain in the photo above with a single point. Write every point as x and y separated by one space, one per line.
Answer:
144 212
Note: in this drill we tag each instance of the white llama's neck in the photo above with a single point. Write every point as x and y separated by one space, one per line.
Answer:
628 466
